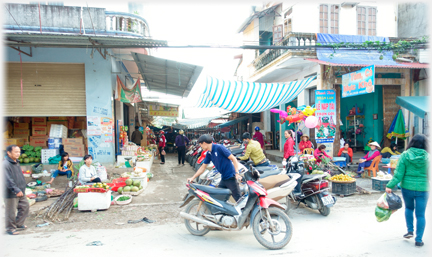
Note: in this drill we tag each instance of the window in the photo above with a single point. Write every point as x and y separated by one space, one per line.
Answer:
366 21
288 22
329 25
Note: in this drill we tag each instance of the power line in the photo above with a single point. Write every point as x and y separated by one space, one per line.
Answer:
14 19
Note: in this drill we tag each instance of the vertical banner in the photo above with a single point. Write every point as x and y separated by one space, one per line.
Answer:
359 82
325 104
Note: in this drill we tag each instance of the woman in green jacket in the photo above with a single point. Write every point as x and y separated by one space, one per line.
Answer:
412 171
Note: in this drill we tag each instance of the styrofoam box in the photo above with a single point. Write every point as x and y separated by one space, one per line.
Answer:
94 201
58 131
48 153
54 143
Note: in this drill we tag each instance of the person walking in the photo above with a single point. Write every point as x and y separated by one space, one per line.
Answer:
137 136
288 146
258 136
254 151
224 162
15 199
161 146
412 173
181 141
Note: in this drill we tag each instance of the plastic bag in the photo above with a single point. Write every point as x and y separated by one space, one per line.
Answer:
382 214
382 202
394 201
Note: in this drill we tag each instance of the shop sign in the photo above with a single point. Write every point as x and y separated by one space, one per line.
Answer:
157 110
325 104
359 82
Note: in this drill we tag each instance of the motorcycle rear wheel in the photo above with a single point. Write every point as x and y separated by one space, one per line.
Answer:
193 227
284 227
324 210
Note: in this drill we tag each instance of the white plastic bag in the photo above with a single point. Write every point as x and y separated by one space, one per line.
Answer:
382 202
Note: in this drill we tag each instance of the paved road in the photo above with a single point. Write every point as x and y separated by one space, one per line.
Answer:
350 230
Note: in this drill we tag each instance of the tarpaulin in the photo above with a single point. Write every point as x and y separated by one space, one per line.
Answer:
353 56
125 95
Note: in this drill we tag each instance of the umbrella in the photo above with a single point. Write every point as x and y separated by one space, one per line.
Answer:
397 128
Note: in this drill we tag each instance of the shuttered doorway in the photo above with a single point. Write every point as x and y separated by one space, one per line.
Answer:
49 89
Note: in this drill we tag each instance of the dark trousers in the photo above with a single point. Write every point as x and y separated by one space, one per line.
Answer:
161 155
14 219
181 150
347 157
363 165
232 185
386 155
62 173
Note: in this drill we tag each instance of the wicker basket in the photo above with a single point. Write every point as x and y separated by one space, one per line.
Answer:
343 182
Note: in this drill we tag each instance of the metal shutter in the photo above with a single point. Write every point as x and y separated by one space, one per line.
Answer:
49 89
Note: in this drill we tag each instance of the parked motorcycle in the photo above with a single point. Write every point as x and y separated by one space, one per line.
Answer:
271 226
314 189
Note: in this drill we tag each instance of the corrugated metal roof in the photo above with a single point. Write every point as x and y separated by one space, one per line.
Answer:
77 40
415 65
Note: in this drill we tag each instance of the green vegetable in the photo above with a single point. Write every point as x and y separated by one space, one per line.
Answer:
382 214
28 148
123 198
38 149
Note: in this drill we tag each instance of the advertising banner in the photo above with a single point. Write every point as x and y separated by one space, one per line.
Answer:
325 104
157 110
359 82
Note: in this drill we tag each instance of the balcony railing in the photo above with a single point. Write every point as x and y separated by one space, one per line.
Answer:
126 22
292 39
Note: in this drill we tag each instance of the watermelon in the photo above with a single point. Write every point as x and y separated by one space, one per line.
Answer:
126 189
26 160
137 183
134 189
129 182
120 190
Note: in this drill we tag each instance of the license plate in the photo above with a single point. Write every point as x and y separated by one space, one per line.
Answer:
327 200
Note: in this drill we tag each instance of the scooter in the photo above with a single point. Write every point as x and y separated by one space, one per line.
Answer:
314 189
271 226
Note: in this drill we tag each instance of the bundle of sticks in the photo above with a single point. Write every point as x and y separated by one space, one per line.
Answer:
63 205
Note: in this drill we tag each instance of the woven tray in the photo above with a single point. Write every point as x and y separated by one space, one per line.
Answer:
342 182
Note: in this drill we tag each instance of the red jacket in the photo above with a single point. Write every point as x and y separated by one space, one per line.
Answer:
303 145
162 141
317 153
289 148
350 152
259 137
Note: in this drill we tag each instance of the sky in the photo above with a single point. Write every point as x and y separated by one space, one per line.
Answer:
193 23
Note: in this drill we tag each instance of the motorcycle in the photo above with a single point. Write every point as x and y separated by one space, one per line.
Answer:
271 226
314 189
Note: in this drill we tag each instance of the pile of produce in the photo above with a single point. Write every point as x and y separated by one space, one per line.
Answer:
123 198
342 177
31 154
100 185
382 175
131 186
63 205
138 172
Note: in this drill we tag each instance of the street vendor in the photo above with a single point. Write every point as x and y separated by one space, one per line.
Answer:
137 136
320 153
366 161
305 143
288 146
87 172
65 167
387 152
346 152
254 151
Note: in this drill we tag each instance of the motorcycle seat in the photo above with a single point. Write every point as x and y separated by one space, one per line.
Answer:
305 177
213 190
274 181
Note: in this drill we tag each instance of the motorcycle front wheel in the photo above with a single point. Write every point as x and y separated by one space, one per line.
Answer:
272 239
196 229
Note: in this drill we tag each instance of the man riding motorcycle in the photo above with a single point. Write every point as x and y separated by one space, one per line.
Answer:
224 162
254 151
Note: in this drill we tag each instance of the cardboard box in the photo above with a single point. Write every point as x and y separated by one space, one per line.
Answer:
21 133
38 142
39 121
77 147
39 130
81 119
21 126
57 118
73 141
58 131
54 143
14 141
76 153
49 123
40 137
80 125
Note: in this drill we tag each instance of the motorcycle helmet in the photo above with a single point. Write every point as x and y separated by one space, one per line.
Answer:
257 128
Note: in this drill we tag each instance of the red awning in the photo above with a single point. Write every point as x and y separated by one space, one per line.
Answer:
414 65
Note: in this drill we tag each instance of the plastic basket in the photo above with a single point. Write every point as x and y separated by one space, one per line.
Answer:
119 180
80 190
381 184
343 188
122 202
97 190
